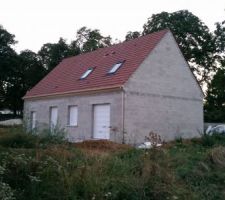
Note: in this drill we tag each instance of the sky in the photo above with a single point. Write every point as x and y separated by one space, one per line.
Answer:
36 22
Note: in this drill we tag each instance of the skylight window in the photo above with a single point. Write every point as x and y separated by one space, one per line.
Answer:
85 74
115 67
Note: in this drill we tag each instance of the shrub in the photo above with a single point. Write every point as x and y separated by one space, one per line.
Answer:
18 140
16 137
207 140
6 192
47 136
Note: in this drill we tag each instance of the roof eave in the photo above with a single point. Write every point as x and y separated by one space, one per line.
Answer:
76 92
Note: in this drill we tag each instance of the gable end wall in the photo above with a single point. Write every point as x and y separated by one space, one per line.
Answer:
163 96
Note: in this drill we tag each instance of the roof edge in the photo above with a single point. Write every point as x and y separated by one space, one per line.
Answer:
76 92
195 78
166 31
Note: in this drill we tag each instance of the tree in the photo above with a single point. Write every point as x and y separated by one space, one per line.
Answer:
26 74
220 43
132 35
90 40
193 36
7 61
220 37
215 100
52 54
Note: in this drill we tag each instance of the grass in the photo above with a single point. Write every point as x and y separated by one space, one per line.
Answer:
33 167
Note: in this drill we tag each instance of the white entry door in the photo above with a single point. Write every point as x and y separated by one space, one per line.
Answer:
53 117
101 122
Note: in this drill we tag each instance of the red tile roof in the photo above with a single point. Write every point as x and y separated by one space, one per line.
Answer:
65 77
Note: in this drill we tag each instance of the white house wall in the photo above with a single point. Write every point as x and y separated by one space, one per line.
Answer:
163 96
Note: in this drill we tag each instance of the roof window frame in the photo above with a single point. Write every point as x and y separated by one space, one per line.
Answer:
112 70
87 73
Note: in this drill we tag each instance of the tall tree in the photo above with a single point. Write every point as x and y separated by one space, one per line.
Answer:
220 36
132 35
90 40
26 74
193 36
7 61
51 54
220 43
215 100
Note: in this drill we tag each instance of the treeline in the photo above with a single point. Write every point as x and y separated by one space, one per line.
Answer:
203 49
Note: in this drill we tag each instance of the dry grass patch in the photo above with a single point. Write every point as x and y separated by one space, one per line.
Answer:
101 147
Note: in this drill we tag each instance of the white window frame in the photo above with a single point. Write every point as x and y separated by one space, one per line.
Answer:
87 73
72 115
115 67
52 125
33 115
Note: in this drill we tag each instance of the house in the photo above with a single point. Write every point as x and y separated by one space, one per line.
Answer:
120 93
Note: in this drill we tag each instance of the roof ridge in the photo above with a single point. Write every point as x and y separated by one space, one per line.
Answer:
120 43
65 77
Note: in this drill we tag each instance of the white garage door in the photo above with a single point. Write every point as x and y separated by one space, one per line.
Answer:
102 121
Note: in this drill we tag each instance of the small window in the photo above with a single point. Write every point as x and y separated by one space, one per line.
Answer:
72 118
53 117
33 120
85 74
115 67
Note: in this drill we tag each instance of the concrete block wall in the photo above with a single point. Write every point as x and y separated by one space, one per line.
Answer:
169 117
85 113
163 96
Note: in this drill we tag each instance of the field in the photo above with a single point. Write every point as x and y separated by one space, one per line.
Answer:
47 167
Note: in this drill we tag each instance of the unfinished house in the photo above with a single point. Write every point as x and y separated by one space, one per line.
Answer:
120 93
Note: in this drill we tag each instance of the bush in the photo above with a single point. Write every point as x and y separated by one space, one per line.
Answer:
63 171
47 136
6 192
18 140
16 137
211 140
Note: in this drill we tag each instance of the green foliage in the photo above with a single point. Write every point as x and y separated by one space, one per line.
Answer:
51 54
6 192
215 100
220 36
90 40
180 170
18 138
47 136
7 61
132 35
194 39
27 66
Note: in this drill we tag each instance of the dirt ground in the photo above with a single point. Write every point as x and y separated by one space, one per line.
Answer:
101 146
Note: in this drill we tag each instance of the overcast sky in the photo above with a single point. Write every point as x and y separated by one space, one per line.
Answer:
35 22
